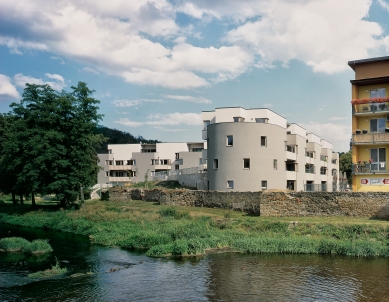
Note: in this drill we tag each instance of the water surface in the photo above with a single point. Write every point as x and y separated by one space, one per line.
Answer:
120 275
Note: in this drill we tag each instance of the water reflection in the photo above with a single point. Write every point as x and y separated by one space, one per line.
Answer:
119 275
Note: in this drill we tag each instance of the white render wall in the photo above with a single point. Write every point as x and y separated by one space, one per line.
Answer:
245 135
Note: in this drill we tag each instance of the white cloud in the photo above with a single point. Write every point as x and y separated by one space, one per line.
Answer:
384 4
171 119
338 118
132 103
20 80
337 134
91 70
168 129
141 41
7 90
188 98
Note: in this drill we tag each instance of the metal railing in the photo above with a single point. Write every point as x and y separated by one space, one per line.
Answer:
315 187
372 107
310 169
373 167
161 175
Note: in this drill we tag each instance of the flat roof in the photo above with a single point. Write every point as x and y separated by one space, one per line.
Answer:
355 62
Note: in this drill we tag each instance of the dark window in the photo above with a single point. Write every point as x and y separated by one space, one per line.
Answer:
216 163
230 140
246 163
264 184
263 141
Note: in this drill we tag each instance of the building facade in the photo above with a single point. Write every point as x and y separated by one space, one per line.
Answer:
256 149
370 117
130 162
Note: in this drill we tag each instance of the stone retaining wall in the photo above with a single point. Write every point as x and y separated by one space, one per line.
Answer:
284 203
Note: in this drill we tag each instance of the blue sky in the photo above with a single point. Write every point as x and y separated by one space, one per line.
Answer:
155 65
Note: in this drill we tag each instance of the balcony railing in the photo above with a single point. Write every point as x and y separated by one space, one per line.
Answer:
374 167
315 187
370 105
370 138
310 170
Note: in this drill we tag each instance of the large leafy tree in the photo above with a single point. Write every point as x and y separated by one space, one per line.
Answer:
345 164
52 136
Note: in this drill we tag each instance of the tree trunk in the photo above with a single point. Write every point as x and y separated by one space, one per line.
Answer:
82 197
21 199
14 201
33 199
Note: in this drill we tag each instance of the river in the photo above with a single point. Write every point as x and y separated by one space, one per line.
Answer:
120 275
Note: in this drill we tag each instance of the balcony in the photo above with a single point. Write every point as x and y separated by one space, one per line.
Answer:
369 168
120 167
371 138
368 107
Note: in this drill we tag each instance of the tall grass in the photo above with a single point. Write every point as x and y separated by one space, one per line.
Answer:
177 231
18 244
54 271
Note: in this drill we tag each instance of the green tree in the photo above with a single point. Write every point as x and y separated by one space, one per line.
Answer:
52 135
345 164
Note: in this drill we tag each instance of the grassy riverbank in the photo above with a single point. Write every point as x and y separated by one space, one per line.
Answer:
179 231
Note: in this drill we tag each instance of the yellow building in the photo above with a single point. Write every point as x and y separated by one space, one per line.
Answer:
370 124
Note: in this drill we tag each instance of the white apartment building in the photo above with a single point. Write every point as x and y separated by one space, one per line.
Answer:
257 149
130 162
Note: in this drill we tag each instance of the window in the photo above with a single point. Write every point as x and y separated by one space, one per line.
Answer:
110 151
323 171
246 163
197 149
310 154
118 162
109 162
216 163
261 120
177 167
230 184
333 161
378 93
263 141
274 164
378 157
309 168
107 174
377 125
238 119
206 123
264 184
230 140
177 155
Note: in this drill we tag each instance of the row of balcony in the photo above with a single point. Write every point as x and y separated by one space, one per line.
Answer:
369 108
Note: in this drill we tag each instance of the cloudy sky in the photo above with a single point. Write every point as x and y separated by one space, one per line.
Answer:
156 64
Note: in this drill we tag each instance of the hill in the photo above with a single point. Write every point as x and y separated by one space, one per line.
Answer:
120 137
